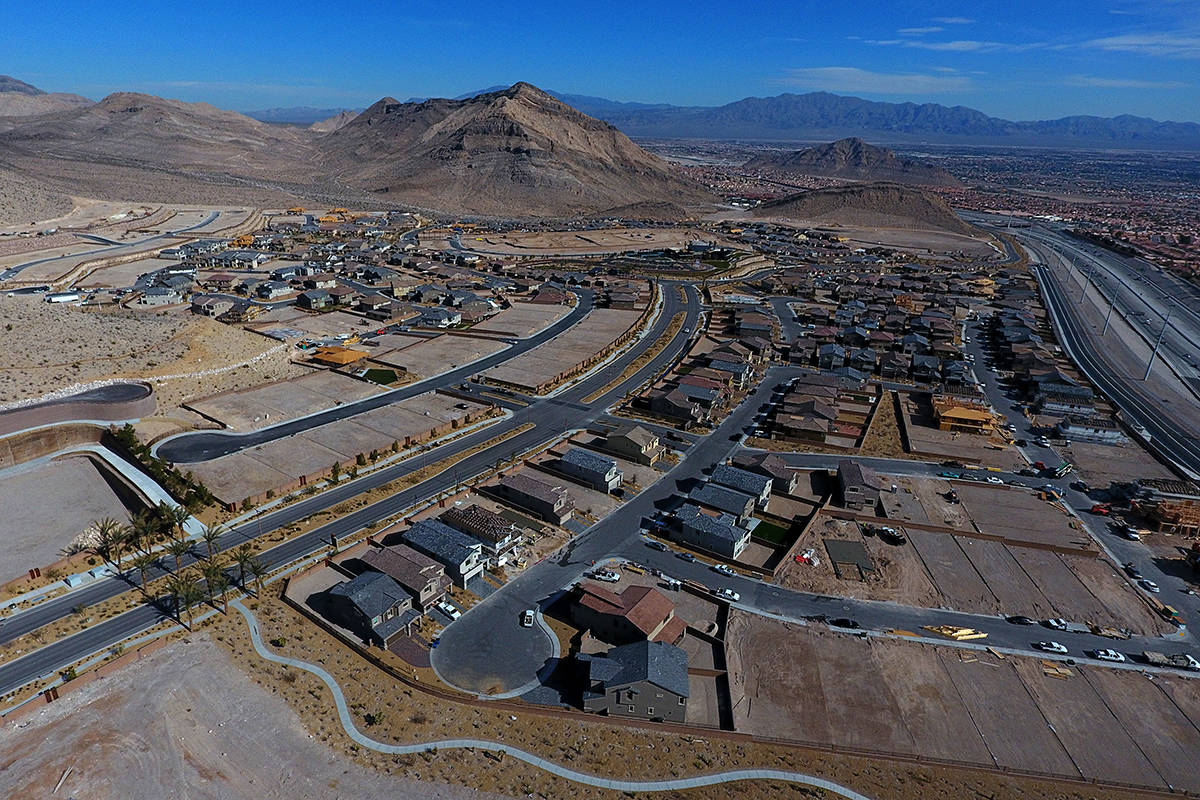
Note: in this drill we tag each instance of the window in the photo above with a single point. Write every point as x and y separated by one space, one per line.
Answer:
682 700
630 709
650 711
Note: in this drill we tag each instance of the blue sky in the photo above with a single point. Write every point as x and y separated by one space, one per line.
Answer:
1016 59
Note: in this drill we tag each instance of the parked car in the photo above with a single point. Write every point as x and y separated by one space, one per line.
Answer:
1107 655
724 569
1055 624
1020 619
527 618
1131 533
845 622
449 610
993 479
727 594
1132 571
1050 647
657 545
1149 585
606 575
685 556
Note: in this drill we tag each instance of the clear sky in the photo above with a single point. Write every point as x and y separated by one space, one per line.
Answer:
1019 59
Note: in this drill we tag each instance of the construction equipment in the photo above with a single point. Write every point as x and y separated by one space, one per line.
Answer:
296 210
1102 509
245 240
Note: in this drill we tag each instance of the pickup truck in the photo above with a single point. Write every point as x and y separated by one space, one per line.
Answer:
1179 661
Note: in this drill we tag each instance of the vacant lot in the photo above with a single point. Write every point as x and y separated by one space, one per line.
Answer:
523 319
185 717
581 242
426 357
273 403
898 696
31 536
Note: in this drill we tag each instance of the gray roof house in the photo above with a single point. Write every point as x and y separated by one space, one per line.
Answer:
722 498
860 486
424 578
591 469
372 605
716 532
647 680
549 502
459 553
757 486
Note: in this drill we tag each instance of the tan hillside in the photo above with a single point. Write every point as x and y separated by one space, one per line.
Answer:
853 159
882 205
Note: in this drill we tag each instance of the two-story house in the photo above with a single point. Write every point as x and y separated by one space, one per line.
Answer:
646 680
591 469
459 553
424 578
372 605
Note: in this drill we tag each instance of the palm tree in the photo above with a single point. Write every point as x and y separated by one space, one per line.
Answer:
242 556
215 582
178 548
107 542
210 535
143 563
178 517
258 569
186 591
141 530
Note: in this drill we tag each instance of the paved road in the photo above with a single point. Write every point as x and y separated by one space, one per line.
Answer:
551 418
189 448
13 271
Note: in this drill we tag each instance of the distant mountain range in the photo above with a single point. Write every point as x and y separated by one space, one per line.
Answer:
20 99
852 159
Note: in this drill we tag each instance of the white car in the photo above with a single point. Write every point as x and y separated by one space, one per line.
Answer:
1056 624
723 569
1149 585
527 618
606 575
449 610
727 594
1050 647
1190 663
994 479
1108 655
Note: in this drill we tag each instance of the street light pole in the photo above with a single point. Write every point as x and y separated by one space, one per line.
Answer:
1157 343
1108 316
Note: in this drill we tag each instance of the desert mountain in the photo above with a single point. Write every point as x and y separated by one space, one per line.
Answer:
853 159
19 99
880 205
152 132
513 152
822 116
331 124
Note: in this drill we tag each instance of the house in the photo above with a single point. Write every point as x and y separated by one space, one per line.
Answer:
428 293
591 469
421 576
646 680
336 356
314 299
757 486
716 532
1091 429
211 306
495 533
722 498
548 502
673 404
372 302
962 414
1063 399
635 614
269 290
159 296
860 485
322 280
374 606
459 553
634 443
784 479
439 317
831 356
740 372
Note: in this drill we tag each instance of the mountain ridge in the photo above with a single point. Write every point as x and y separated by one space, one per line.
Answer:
853 159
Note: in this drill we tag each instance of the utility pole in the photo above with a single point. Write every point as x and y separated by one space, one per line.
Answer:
1157 343
1108 316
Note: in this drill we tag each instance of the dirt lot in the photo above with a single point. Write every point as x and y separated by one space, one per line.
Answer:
566 351
185 717
582 242
1020 516
273 403
1098 465
523 319
427 357
29 537
896 695
121 275
318 325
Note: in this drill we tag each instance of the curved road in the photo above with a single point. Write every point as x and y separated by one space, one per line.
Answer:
13 271
189 448
628 786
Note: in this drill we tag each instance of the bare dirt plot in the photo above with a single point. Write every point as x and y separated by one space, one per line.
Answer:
1162 730
1123 602
523 319
1071 598
929 704
955 576
185 716
899 574
703 704
126 274
239 475
1012 726
1014 590
429 357
272 403
1100 464
73 487
567 350
1098 743
930 494
581 242
1020 516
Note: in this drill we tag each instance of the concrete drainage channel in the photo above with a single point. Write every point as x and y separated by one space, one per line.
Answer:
673 784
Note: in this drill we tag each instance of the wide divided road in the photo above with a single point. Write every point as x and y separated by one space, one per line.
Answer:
551 417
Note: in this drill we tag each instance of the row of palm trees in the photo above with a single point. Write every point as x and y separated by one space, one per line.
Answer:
113 541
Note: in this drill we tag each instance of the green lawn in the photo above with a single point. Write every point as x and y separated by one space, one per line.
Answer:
386 377
771 532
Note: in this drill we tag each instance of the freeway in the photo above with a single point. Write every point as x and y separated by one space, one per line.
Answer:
189 448
551 417
13 271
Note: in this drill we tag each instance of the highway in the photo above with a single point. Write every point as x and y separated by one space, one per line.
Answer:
13 271
551 417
